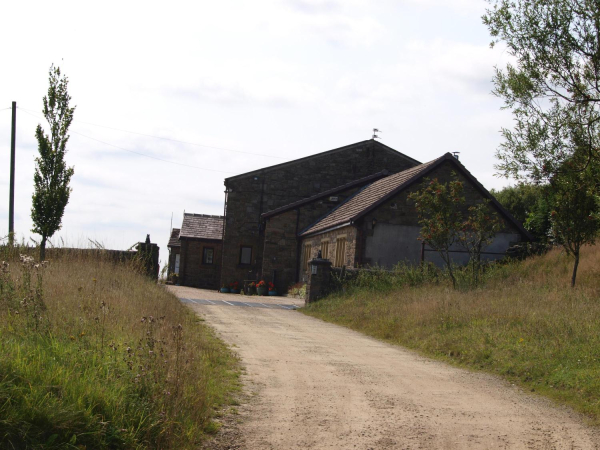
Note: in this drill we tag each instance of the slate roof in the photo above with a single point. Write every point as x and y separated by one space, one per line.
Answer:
201 226
368 197
317 155
381 190
174 240
359 182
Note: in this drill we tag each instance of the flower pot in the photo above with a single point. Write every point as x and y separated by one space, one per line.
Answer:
262 290
272 293
234 291
225 290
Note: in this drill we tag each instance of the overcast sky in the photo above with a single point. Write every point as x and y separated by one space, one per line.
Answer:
233 86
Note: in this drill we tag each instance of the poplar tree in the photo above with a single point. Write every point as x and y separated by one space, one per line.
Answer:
52 176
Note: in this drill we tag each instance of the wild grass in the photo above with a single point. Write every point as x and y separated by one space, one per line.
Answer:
95 355
525 323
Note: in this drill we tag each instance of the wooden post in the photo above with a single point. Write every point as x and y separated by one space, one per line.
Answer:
11 202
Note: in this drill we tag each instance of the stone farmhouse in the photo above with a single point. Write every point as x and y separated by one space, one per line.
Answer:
351 203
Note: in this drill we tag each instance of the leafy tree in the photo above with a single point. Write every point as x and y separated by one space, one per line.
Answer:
52 176
438 205
477 232
574 216
519 200
553 88
529 204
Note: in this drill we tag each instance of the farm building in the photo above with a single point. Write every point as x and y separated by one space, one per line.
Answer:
350 203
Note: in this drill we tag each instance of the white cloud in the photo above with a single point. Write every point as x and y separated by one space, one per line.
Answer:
285 78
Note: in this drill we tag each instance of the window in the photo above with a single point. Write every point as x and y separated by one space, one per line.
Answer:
340 252
245 255
306 256
177 263
207 255
325 249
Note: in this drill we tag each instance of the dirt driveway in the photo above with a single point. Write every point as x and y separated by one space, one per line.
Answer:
321 386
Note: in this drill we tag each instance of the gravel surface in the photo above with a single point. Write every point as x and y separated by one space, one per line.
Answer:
315 385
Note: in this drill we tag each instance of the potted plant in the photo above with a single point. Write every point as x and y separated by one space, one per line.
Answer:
234 287
272 290
251 289
261 288
225 289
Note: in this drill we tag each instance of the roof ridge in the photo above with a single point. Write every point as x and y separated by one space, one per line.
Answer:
203 215
345 147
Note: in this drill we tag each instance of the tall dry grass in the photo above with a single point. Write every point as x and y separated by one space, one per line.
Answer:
526 323
95 355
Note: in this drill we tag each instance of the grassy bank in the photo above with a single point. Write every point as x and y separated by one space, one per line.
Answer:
95 355
525 324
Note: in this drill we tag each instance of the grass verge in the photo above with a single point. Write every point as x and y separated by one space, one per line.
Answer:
95 355
526 324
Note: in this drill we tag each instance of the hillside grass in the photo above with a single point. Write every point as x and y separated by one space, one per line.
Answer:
95 355
526 323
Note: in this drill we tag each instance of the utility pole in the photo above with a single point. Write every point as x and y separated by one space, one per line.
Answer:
11 202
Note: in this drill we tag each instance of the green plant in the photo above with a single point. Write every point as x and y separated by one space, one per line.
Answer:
52 176
528 203
298 290
96 355
438 205
478 231
552 84
575 210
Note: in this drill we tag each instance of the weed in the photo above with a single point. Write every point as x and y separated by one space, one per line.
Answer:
93 355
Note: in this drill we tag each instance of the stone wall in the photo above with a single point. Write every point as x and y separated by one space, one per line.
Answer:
319 281
281 250
192 272
280 253
389 234
148 254
251 195
145 254
350 233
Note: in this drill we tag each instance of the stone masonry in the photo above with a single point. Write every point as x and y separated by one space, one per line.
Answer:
252 194
281 254
397 211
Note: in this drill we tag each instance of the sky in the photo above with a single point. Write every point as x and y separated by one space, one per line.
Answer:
173 97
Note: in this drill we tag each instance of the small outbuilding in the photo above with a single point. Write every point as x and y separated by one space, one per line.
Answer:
196 251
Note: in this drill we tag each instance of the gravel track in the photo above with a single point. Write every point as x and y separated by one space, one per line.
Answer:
316 385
